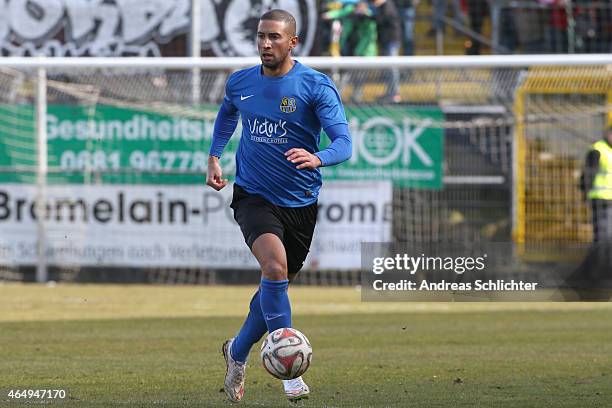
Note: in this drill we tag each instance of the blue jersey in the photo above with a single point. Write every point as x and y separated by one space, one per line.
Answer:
280 113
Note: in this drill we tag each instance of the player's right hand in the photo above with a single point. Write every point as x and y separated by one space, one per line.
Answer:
213 177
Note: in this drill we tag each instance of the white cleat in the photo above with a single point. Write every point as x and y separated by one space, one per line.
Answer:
296 389
234 376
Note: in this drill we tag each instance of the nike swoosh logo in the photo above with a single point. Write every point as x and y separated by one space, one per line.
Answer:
273 316
242 98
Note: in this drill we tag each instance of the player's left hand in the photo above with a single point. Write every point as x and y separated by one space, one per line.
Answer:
307 160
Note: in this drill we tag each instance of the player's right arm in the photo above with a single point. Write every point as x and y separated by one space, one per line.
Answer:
214 177
225 125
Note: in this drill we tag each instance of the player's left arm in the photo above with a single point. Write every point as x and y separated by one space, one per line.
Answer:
328 108
338 151
340 148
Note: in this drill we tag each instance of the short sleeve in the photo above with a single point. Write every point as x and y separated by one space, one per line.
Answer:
328 106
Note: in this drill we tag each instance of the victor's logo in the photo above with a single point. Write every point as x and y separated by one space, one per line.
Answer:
288 105
265 131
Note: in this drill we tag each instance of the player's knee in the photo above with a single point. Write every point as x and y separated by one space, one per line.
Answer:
274 269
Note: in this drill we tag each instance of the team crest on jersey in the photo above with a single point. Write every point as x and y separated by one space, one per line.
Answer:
288 105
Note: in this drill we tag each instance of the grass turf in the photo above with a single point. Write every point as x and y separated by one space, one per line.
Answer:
151 345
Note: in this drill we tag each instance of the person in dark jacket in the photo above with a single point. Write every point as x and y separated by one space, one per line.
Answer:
388 25
407 12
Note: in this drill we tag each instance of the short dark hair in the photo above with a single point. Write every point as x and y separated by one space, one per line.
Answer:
284 16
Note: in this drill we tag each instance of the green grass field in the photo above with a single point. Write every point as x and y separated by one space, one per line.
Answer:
159 345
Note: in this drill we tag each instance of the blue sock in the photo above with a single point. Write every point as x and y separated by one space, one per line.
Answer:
275 303
253 328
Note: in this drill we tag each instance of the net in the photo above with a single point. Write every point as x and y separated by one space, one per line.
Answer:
18 154
561 114
442 156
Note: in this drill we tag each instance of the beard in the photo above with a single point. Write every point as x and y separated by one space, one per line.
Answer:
272 64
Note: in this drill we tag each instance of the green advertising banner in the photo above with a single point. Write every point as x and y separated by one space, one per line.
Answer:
394 143
17 144
115 145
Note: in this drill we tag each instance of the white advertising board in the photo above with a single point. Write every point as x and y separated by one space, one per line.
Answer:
177 226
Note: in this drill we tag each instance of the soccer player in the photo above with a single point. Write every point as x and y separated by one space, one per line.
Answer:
283 106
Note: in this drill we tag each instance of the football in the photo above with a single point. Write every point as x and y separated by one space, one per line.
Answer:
286 353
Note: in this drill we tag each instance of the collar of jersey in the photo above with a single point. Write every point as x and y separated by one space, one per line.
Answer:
278 78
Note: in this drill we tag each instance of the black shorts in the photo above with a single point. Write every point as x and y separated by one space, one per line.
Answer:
294 226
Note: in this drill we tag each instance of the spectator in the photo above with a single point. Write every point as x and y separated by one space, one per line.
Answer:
439 12
592 26
530 27
504 27
359 35
389 38
477 10
407 12
322 43
557 26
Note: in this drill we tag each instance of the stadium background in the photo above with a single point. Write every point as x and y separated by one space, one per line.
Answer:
479 154
482 155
